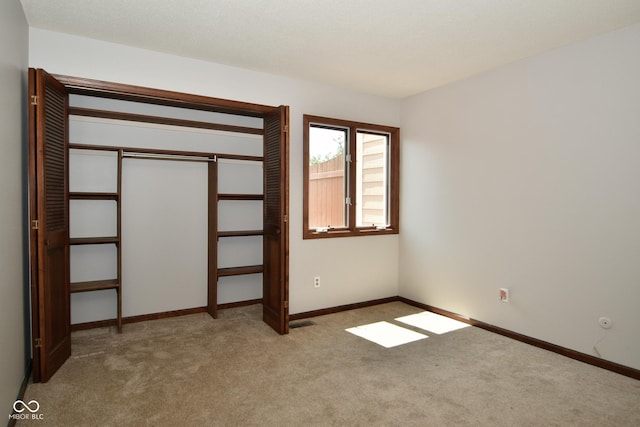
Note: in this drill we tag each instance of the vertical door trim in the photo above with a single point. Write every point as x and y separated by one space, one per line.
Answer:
33 229
212 232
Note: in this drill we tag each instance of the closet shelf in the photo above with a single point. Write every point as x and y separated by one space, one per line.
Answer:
95 285
237 271
239 233
227 196
93 240
92 196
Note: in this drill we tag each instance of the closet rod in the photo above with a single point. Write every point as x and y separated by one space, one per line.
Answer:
163 152
175 157
151 151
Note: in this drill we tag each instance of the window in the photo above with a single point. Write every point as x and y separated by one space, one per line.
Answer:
351 173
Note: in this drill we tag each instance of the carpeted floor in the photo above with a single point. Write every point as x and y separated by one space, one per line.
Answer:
235 371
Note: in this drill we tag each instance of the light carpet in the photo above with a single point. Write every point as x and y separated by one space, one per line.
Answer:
235 371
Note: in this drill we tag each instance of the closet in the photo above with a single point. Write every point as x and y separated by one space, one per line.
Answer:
147 203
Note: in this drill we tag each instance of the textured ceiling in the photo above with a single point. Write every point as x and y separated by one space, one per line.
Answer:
390 48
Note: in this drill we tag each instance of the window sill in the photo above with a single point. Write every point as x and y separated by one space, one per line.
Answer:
369 231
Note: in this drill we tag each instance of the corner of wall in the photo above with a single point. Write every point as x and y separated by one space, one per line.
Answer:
14 292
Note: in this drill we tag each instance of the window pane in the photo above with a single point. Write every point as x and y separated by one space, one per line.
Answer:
372 176
327 177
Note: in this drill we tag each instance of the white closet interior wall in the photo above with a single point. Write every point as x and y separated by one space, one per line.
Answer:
164 211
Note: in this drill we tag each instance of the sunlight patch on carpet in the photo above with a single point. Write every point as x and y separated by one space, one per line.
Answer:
432 322
386 334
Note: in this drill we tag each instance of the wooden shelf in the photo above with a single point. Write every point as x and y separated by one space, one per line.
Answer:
95 285
240 233
92 196
237 271
92 147
100 285
240 157
93 240
116 115
227 196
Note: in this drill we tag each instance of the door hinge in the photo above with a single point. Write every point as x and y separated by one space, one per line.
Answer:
286 304
38 343
34 224
34 99
286 218
285 128
348 158
347 201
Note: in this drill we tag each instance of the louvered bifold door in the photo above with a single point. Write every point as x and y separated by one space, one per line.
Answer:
275 293
50 223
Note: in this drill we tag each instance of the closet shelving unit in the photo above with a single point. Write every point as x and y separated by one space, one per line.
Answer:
115 283
216 235
214 199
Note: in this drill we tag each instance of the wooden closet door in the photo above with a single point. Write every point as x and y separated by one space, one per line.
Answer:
275 292
49 210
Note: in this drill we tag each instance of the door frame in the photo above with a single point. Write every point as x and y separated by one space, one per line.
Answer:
118 91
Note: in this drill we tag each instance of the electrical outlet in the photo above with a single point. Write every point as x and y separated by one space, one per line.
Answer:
316 282
503 294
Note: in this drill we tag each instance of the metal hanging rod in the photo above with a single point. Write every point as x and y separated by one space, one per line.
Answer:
174 157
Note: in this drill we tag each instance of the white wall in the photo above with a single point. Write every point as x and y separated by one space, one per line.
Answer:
14 45
352 270
528 177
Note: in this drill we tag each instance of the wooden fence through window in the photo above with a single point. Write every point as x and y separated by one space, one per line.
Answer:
326 193
327 187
